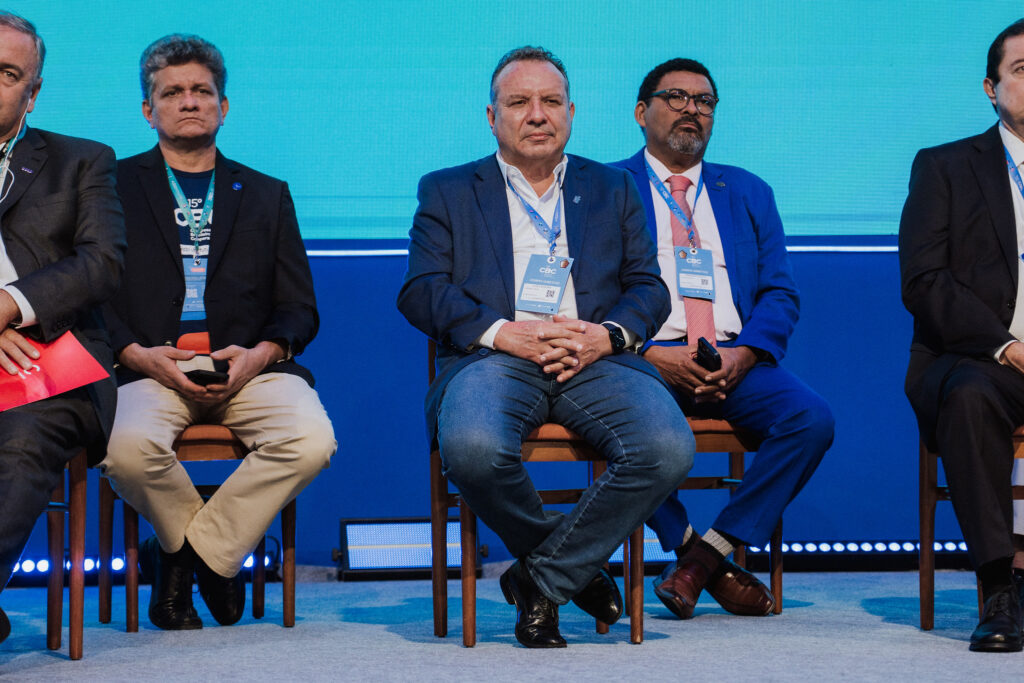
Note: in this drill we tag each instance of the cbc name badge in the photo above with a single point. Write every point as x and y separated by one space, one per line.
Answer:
544 283
695 273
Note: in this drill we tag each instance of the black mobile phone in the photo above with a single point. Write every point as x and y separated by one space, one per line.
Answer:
707 356
204 377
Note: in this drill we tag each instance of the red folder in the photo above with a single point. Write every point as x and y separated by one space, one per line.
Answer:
63 365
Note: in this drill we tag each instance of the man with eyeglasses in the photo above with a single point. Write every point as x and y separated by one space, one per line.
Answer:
723 256
533 271
961 248
60 257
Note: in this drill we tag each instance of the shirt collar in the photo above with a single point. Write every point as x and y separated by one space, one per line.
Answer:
1014 145
513 174
661 170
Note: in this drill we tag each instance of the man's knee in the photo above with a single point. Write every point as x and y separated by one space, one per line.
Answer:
132 451
471 453
315 443
818 424
667 454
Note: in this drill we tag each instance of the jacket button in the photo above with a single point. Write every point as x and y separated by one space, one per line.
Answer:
1011 304
176 301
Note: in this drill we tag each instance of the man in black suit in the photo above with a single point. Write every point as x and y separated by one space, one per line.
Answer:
60 257
240 286
961 249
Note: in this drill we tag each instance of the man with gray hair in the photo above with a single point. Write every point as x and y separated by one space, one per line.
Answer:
61 249
205 327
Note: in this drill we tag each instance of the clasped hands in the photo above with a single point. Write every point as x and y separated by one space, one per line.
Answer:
563 345
678 367
160 364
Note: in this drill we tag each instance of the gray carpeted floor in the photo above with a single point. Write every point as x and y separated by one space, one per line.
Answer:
854 626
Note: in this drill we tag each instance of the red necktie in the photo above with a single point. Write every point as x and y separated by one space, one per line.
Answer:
700 314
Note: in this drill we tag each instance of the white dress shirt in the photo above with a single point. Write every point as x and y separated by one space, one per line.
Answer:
526 242
727 318
8 274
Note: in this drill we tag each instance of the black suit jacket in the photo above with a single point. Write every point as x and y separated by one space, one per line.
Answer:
64 231
258 287
958 262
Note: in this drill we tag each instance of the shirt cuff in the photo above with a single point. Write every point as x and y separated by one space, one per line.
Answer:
486 339
28 314
998 355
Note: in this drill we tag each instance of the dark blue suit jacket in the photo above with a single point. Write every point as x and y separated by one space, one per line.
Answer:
461 276
760 276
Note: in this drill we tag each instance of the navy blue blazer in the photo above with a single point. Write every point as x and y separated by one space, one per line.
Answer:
461 276
760 275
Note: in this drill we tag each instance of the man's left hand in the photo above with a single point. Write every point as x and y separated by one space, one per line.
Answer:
243 365
583 349
736 362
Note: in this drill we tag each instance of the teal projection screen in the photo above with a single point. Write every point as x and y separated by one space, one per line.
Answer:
351 102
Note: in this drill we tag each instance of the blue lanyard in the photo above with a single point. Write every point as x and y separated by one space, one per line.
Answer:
548 232
195 227
1014 173
6 162
672 204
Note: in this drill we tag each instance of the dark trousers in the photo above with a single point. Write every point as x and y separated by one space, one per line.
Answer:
36 442
796 426
980 404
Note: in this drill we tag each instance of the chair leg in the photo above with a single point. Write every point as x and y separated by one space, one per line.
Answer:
775 560
737 465
636 586
439 545
105 581
928 480
467 523
288 562
131 567
259 578
55 584
76 531
627 578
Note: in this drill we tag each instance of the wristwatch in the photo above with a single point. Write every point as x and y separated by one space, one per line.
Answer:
616 337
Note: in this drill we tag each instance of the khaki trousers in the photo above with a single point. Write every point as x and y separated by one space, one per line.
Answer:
277 415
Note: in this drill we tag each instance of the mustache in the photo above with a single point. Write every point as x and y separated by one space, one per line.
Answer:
688 119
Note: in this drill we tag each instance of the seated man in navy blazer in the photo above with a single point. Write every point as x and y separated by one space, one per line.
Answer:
60 258
237 282
535 274
723 255
961 241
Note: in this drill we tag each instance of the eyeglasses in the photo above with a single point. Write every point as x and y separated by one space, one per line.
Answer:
677 100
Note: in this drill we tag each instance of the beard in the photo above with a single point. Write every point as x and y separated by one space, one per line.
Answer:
684 142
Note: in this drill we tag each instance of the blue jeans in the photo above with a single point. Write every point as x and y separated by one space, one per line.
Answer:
628 416
796 426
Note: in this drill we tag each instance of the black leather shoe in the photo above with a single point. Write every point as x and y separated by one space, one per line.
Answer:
601 598
225 597
536 614
170 601
5 626
1000 627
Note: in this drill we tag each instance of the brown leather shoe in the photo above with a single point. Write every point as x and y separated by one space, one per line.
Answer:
680 587
739 591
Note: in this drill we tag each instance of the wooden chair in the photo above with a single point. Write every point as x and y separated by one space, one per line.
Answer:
548 443
930 494
196 443
718 436
74 506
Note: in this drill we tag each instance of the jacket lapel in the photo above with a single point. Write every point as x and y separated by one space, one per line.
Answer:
722 205
636 165
27 160
989 167
489 187
575 200
153 179
227 196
